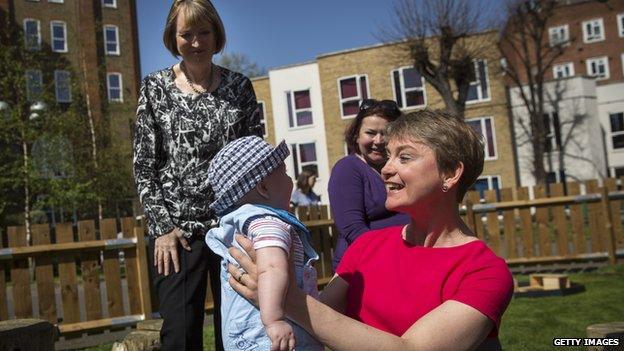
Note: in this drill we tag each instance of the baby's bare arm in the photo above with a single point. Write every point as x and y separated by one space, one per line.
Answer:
272 283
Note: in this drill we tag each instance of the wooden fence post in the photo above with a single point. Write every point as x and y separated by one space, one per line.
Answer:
470 218
606 210
144 281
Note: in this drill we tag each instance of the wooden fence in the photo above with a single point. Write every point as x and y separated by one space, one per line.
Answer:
86 277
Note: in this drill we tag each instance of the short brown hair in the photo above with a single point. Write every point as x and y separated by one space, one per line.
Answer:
451 139
353 130
197 12
302 180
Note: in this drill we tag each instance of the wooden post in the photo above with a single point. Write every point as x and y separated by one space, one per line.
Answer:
27 334
470 219
144 281
608 226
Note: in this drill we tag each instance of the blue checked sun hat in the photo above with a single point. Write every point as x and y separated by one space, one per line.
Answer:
239 166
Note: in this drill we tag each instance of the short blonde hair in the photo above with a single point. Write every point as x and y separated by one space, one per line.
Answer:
198 12
451 139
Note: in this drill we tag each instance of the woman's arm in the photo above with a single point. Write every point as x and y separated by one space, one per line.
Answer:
144 166
452 325
346 199
335 294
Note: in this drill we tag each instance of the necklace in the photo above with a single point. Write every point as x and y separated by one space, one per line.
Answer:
190 83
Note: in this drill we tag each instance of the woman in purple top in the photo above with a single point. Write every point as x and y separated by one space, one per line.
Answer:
357 194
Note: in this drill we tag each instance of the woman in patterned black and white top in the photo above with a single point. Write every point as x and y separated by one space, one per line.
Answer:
186 114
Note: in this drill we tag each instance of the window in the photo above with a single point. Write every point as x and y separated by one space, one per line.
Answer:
114 84
553 132
57 1
111 40
109 3
304 158
299 108
557 177
617 129
352 91
261 112
34 84
620 22
617 172
598 67
409 87
484 127
479 89
62 84
558 35
32 34
593 31
563 70
58 32
487 182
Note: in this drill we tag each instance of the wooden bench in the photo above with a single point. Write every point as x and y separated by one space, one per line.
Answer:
549 281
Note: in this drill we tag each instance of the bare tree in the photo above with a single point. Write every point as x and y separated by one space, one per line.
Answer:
529 55
435 34
241 63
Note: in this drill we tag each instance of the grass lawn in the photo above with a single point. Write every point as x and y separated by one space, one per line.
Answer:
532 323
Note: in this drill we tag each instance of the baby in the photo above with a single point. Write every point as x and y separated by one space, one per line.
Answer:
252 195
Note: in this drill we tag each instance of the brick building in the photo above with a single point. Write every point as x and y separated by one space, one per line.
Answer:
385 72
584 89
99 39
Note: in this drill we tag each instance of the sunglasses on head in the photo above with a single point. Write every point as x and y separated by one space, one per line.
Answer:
388 105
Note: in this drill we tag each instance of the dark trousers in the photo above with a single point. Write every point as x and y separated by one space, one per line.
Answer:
181 297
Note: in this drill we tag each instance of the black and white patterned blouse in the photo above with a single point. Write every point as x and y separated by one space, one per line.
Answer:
176 136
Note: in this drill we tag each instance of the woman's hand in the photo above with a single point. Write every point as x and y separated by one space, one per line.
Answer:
166 251
244 280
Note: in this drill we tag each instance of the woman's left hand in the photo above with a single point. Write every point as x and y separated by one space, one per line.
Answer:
244 280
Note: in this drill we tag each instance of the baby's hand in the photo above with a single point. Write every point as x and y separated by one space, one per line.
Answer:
281 335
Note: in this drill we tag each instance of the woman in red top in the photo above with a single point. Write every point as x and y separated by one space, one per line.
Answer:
429 285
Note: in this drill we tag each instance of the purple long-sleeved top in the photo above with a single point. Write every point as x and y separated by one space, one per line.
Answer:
357 197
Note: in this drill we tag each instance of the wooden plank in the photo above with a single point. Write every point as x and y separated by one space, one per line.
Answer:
493 226
541 218
528 248
616 213
67 248
112 274
4 311
577 218
470 215
325 255
44 275
561 224
90 269
509 225
20 275
67 275
144 281
596 219
131 262
473 197
608 226
101 324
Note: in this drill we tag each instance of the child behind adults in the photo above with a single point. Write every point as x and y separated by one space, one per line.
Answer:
252 192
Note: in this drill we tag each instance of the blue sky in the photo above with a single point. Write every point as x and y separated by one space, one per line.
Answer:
274 33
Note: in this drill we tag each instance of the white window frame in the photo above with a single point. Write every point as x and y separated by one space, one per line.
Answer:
620 22
26 20
404 91
56 1
490 182
613 134
359 96
300 164
563 66
562 29
477 83
108 87
110 6
56 85
295 110
593 38
29 88
485 140
117 51
263 120
52 38
589 61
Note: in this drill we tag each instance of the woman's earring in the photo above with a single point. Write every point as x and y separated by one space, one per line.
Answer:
444 188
